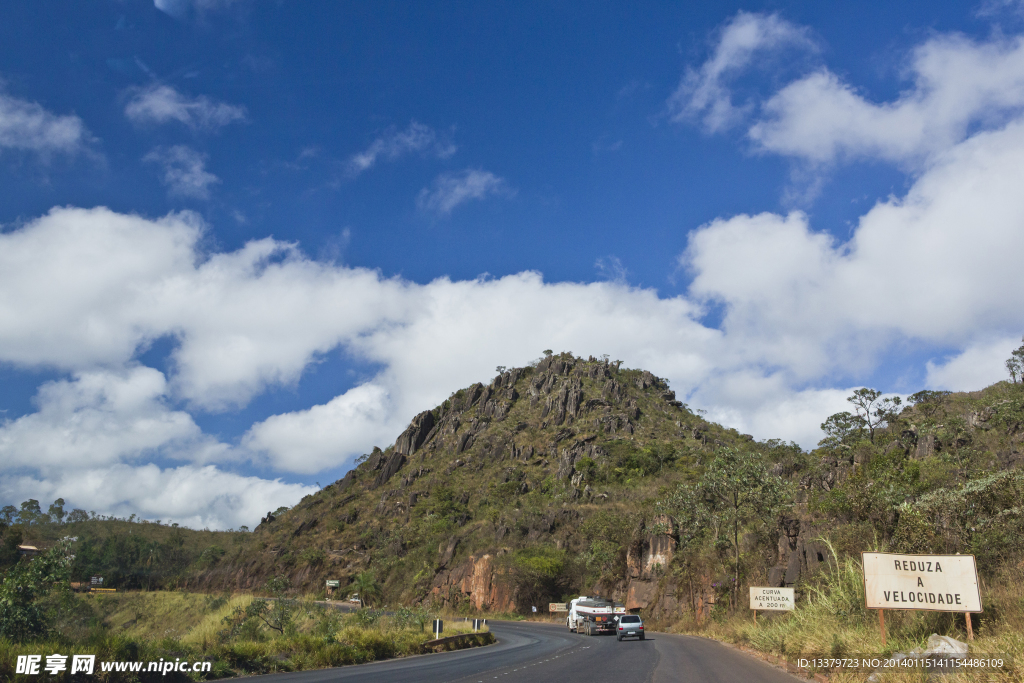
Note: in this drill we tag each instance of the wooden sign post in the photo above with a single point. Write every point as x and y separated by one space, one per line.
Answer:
937 583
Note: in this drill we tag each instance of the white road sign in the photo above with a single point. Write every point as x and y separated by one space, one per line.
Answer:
778 599
941 583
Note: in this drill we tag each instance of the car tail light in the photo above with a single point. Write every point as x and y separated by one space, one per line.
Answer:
641 628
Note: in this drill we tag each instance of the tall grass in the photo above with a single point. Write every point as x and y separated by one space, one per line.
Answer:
151 626
831 620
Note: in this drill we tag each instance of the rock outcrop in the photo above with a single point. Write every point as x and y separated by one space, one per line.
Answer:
646 560
799 554
476 581
415 434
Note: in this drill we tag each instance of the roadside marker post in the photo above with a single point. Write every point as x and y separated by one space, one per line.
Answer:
438 627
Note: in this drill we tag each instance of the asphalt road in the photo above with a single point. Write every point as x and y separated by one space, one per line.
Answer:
549 653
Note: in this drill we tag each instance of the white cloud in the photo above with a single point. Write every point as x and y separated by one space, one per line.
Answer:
704 93
82 289
939 265
957 84
99 418
768 408
91 438
163 104
394 144
184 171
979 365
451 189
77 285
29 127
325 436
181 8
192 496
936 267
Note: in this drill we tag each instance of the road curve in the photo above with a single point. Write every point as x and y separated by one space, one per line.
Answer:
529 652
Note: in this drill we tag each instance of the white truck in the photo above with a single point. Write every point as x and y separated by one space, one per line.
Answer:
593 615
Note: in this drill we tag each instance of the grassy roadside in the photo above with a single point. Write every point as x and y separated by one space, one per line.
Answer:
831 621
196 627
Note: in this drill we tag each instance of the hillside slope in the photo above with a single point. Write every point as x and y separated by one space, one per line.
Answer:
559 456
578 475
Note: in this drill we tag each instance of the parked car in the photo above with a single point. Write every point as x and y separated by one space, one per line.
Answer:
354 598
630 625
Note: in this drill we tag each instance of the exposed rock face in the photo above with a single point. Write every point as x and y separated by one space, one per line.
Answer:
651 554
799 554
926 446
646 558
584 404
376 460
347 480
415 434
640 594
448 551
393 464
477 581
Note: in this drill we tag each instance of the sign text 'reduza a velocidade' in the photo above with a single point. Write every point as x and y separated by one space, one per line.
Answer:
946 583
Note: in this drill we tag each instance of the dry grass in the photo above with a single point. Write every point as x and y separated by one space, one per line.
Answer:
150 626
830 621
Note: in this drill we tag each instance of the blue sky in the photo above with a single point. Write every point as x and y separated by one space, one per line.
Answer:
243 242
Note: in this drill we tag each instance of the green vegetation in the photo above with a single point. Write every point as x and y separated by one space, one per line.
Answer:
32 593
127 553
228 631
576 476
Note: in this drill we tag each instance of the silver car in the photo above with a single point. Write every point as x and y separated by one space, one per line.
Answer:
629 625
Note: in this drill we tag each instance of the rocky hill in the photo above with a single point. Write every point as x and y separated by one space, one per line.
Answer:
528 461
577 475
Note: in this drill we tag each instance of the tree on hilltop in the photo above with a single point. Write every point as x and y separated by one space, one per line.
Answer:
1015 364
873 410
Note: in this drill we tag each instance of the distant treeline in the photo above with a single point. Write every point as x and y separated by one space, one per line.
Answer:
127 553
